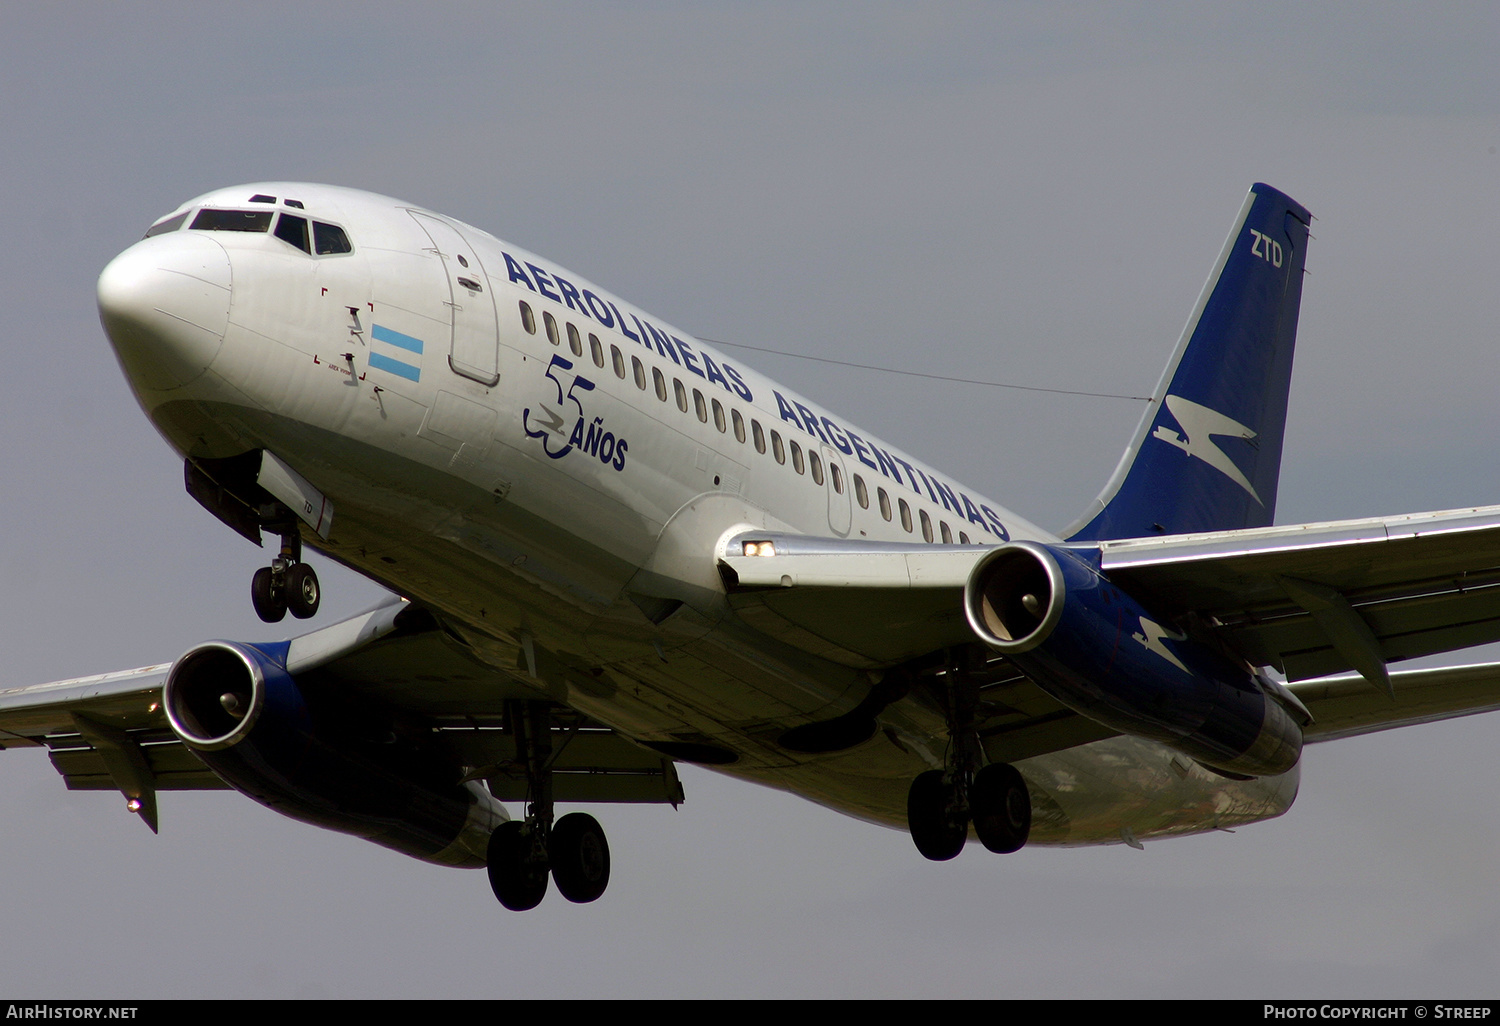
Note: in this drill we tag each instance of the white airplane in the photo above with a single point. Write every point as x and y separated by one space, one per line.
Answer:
619 548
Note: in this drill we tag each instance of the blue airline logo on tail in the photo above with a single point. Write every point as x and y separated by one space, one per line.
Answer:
1199 424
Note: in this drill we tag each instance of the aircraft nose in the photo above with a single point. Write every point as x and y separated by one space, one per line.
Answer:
164 304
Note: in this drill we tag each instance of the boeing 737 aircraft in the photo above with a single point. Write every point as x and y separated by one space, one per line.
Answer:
618 548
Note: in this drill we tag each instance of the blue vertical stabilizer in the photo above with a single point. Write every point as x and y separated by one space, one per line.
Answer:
1207 453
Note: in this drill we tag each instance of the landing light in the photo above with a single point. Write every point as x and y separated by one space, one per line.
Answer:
760 548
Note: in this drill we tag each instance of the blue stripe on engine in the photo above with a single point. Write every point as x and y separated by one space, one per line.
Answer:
383 334
390 366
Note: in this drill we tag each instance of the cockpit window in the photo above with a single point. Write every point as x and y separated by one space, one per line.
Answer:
210 220
293 203
171 224
261 197
330 239
293 229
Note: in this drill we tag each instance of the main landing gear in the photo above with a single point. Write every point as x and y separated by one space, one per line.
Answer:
287 584
943 803
523 853
940 807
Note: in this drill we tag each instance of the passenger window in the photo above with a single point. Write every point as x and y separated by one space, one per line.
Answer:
739 425
681 394
946 532
329 239
905 515
776 448
885 503
639 370
926 526
617 360
817 467
838 477
718 415
797 463
861 492
575 341
528 319
550 323
757 433
171 224
964 538
209 220
660 381
700 407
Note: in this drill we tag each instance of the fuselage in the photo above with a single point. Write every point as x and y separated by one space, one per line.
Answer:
553 470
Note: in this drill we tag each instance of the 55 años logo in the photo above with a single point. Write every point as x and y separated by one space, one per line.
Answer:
586 435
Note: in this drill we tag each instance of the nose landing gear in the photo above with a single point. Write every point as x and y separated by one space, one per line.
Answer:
286 585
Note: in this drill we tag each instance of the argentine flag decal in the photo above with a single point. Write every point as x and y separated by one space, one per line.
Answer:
378 360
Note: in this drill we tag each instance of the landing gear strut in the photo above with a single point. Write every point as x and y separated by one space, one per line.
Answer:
287 584
521 853
942 803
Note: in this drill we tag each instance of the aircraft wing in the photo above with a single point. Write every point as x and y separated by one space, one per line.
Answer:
1315 599
876 604
110 732
1308 599
104 733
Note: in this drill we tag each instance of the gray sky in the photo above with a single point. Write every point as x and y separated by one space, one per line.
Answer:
1019 192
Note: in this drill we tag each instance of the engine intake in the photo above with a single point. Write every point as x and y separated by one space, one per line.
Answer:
214 695
1017 601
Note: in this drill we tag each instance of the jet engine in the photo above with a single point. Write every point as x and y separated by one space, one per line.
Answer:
1091 646
313 756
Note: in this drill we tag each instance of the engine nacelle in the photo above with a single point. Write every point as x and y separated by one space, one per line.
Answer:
1096 650
250 722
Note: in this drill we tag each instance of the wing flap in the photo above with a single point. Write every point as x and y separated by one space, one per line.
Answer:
1347 706
173 767
589 765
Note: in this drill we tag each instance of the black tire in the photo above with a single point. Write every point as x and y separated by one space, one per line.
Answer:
517 880
267 596
1002 808
580 857
302 591
933 830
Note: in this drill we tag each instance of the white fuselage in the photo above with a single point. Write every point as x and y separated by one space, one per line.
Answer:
554 470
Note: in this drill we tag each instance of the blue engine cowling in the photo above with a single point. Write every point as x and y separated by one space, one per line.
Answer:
322 762
1096 650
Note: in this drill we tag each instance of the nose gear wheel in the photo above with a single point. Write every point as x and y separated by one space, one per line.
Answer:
287 585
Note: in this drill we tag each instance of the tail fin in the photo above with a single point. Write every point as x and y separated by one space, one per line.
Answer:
1207 453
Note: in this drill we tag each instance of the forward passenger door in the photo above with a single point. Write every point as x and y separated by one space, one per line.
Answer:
474 351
